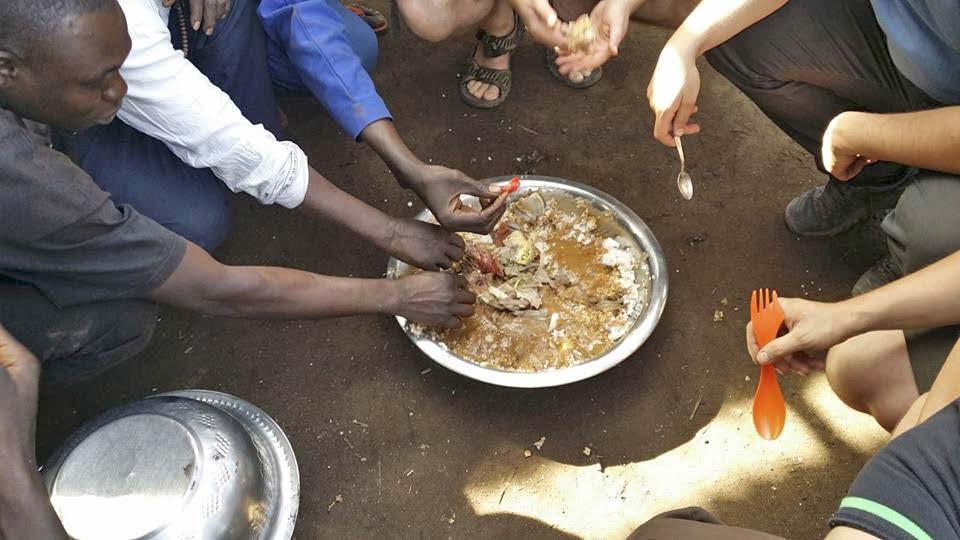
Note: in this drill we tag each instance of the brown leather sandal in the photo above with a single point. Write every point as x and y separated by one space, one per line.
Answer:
493 46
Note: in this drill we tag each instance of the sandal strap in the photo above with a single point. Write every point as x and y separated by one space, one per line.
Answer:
494 46
501 78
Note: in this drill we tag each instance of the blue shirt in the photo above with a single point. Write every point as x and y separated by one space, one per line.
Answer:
923 37
320 47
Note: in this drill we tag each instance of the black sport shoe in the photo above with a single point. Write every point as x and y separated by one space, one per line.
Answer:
885 271
835 207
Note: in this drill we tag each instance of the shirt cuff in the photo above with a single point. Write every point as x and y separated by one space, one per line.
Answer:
361 114
295 189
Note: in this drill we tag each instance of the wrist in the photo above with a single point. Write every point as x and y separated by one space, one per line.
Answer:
855 317
685 45
409 173
390 296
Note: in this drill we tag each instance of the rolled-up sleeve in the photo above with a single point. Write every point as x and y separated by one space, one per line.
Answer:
170 100
314 39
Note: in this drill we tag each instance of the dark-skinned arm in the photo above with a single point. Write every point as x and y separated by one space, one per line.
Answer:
25 509
200 283
420 244
437 186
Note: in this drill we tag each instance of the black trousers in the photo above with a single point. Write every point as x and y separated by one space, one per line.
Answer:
812 60
79 342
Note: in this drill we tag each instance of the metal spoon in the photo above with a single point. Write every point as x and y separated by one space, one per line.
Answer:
684 182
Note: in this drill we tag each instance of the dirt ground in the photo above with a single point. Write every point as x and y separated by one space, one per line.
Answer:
417 451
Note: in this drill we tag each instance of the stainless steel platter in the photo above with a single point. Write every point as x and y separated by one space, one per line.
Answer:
193 464
629 225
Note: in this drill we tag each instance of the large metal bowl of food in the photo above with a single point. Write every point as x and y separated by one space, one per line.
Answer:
570 284
189 464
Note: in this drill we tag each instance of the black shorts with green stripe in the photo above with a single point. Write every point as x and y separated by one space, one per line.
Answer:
911 488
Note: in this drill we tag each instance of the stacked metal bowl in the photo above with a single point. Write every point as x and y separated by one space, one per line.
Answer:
194 464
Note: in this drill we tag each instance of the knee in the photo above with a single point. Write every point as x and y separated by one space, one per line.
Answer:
929 210
206 220
103 336
367 48
427 19
842 376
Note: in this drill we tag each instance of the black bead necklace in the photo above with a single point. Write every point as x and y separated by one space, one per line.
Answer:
182 23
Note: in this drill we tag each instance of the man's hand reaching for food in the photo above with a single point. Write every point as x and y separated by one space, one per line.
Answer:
434 299
423 245
440 188
610 19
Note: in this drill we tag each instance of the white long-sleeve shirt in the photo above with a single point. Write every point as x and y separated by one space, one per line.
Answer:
170 100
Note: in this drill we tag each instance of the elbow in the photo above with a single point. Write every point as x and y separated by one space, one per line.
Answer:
233 294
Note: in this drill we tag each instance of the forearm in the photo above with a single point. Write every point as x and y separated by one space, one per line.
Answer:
927 139
266 292
385 140
25 509
326 200
714 21
928 298
946 387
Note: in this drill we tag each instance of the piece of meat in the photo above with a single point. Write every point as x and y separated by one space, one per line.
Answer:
500 233
484 261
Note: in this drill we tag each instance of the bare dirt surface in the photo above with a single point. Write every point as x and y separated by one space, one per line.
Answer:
417 451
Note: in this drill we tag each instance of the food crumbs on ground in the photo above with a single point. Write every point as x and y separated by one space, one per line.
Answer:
747 378
717 315
337 499
587 451
425 371
557 285
527 453
539 444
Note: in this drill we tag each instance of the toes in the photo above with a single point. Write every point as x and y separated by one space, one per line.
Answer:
492 93
481 90
475 88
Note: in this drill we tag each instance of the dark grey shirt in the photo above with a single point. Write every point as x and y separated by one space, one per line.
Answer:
62 234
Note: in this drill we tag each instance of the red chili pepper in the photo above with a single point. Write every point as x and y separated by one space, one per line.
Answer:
512 186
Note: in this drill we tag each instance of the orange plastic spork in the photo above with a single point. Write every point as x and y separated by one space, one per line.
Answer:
769 410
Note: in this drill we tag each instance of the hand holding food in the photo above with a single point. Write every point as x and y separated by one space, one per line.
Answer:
423 245
595 38
434 299
440 188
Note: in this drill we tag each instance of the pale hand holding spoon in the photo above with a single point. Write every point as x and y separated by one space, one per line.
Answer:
684 182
